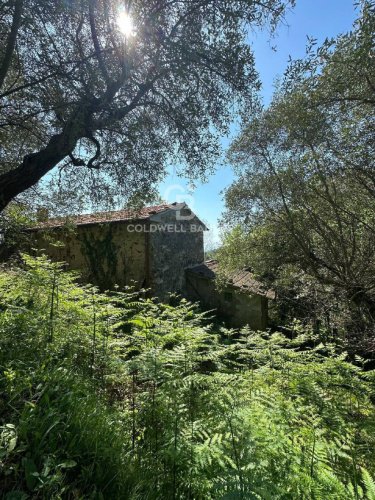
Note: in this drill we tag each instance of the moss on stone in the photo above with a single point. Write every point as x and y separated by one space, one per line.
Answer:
101 255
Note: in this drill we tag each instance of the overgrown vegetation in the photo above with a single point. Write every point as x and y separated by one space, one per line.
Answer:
302 207
115 397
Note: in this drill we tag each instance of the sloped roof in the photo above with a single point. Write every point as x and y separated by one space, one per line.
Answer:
144 213
242 279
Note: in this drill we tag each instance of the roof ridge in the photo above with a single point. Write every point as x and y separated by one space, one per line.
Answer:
241 279
105 216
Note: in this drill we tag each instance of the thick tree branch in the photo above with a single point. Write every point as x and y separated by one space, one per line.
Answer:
11 42
91 163
95 40
35 165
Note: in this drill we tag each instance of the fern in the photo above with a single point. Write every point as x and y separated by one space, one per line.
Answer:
149 400
369 484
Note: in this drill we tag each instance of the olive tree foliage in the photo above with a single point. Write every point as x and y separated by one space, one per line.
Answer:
111 109
304 200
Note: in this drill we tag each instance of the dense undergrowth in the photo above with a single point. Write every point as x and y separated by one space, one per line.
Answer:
113 397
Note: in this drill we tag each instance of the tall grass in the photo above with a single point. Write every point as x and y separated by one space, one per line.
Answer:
111 396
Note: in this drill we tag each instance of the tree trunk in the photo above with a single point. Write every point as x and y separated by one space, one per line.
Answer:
35 165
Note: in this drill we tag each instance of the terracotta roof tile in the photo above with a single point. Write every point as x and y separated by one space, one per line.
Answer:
242 279
100 217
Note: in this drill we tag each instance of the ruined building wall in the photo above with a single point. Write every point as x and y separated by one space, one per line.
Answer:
120 253
172 251
235 307
104 254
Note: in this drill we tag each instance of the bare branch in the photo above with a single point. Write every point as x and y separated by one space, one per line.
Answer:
91 163
94 36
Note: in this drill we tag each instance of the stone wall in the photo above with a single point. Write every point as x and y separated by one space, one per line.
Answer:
235 307
172 251
104 254
154 253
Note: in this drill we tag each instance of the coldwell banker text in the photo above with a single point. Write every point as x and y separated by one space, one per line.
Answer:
169 228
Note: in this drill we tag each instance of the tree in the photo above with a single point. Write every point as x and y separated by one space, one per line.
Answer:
110 91
305 192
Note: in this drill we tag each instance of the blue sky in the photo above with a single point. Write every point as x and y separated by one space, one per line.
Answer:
315 18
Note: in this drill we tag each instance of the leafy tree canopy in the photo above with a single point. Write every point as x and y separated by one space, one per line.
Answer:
305 190
110 103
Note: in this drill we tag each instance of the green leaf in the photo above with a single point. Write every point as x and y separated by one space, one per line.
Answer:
30 469
12 444
68 464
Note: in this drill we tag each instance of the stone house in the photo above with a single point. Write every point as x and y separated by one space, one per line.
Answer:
160 248
241 301
150 247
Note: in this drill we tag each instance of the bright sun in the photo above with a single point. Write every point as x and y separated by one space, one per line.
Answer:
125 24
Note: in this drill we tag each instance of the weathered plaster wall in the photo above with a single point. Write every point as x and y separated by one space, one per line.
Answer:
154 253
104 254
172 251
236 307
